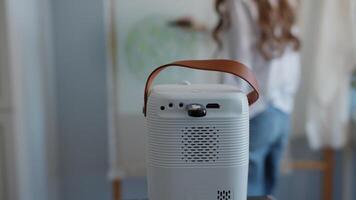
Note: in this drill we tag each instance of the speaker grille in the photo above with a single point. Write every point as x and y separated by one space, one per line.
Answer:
224 195
200 144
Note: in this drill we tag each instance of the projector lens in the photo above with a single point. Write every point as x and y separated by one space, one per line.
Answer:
196 110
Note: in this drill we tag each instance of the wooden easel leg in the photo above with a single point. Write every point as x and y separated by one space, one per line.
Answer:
329 157
326 166
117 189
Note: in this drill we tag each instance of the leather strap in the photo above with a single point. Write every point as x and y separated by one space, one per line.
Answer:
227 66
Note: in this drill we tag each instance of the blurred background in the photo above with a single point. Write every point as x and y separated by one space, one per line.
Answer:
71 87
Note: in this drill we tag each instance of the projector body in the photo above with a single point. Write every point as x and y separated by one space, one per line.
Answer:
202 156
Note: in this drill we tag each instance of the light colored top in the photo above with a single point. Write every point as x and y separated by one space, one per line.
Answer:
278 78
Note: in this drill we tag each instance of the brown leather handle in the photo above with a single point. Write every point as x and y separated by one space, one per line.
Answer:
227 66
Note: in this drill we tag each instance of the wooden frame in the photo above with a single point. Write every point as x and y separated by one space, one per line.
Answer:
329 156
116 188
326 166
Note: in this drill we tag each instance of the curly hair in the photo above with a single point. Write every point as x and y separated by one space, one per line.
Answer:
275 26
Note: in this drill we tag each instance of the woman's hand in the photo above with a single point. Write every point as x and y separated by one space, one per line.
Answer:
187 22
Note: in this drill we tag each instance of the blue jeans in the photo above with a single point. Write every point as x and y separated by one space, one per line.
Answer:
269 132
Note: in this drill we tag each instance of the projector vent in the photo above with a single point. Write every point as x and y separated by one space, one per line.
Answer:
200 144
224 195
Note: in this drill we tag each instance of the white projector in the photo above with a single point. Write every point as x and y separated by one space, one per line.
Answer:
198 136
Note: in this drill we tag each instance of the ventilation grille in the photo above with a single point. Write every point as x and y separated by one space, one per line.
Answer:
200 144
224 195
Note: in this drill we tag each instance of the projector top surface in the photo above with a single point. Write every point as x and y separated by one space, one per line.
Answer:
195 88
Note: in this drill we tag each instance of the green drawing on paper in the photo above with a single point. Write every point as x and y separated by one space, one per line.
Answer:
152 42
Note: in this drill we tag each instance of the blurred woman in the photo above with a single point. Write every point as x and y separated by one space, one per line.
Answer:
261 34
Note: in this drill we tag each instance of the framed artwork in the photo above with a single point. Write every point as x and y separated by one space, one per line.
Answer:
146 36
146 39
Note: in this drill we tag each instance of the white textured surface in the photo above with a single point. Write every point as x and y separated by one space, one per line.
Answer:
168 128
166 142
194 158
193 88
